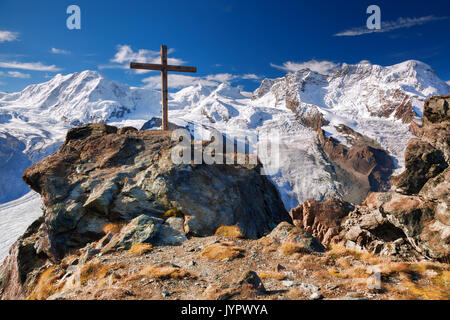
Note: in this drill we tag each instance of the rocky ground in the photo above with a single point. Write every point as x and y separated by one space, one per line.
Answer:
213 268
123 221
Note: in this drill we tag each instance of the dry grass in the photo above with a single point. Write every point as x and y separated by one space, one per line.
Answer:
289 248
336 273
93 271
272 275
139 249
47 285
113 228
265 241
217 293
222 250
232 232
173 213
166 272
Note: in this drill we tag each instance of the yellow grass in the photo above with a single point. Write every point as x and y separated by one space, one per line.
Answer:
93 271
232 232
289 248
46 285
113 228
166 272
336 273
139 249
272 275
173 213
223 250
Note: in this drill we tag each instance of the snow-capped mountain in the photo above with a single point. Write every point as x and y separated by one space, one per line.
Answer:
34 122
373 100
376 102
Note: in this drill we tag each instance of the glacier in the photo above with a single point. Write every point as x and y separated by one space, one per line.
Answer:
365 97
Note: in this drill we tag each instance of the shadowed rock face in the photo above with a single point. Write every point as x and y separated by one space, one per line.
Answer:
362 168
423 162
416 215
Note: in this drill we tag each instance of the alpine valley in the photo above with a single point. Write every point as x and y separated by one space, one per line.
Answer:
354 206
342 134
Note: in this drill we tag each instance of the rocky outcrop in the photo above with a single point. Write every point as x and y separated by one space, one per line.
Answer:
321 219
423 162
288 234
362 167
103 178
413 219
103 175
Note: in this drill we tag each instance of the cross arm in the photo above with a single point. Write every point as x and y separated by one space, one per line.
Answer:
159 67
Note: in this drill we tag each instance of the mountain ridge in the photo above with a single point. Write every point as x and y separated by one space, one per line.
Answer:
375 101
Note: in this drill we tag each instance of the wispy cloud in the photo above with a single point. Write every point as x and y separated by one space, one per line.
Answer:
388 26
323 67
125 55
176 81
59 51
8 35
251 76
17 74
33 66
448 82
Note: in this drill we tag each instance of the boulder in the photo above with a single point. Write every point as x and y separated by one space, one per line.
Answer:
288 233
423 162
103 175
321 219
108 189
411 221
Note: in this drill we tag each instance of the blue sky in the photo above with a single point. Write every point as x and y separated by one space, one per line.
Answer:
238 41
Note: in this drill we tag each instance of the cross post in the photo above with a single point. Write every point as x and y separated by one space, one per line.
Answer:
164 68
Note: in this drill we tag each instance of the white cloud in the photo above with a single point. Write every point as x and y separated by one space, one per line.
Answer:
323 67
176 81
448 82
125 55
59 51
34 66
17 74
251 76
8 35
387 26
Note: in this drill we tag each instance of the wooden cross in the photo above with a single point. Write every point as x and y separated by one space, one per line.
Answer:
164 68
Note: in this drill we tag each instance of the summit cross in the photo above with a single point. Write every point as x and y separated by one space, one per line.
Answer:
164 68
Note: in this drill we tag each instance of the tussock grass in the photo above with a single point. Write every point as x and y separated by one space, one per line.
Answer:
93 271
232 232
222 250
289 248
177 213
272 275
47 285
166 272
113 227
139 249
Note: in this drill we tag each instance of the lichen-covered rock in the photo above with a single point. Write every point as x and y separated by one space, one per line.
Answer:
321 219
147 229
20 269
101 175
423 162
288 233
436 110
414 220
